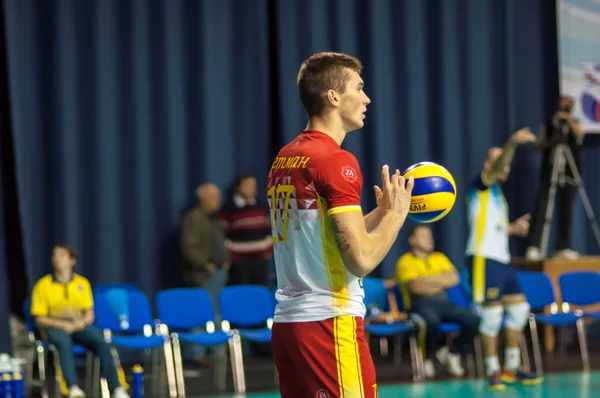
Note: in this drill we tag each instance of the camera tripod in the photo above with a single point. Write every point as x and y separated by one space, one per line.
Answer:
562 156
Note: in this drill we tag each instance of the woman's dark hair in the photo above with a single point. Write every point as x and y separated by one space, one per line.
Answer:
72 252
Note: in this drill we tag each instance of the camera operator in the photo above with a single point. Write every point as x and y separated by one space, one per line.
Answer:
562 128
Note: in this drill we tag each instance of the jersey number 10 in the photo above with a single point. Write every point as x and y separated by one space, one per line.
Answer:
273 194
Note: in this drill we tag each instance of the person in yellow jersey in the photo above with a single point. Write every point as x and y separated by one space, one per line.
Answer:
494 282
63 308
423 276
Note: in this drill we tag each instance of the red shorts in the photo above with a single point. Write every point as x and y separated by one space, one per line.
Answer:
325 359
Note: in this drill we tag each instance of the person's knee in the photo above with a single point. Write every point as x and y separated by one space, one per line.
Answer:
425 320
59 339
491 320
517 315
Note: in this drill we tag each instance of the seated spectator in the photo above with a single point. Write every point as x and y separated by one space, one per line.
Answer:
63 308
423 276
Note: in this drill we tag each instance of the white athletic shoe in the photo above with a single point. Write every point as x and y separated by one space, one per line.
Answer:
120 392
76 392
429 368
450 361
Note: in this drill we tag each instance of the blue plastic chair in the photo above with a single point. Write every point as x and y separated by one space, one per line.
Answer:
376 296
40 346
103 287
581 288
538 289
188 309
141 333
247 306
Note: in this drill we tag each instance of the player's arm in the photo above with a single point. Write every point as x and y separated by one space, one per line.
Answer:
448 276
373 219
412 277
362 251
40 310
508 152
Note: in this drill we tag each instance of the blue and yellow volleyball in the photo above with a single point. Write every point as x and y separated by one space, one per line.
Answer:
434 192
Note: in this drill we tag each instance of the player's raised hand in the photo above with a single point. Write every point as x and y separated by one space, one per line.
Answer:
523 136
396 191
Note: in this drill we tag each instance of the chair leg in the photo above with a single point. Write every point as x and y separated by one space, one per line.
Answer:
583 344
525 352
237 363
562 337
398 343
416 358
221 367
41 359
170 368
479 357
535 342
178 362
384 347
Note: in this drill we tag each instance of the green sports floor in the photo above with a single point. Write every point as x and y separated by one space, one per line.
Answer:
564 385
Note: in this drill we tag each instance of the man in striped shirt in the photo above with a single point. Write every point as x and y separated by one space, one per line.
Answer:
247 230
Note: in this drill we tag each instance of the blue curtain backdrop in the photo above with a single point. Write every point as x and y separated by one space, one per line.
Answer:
121 108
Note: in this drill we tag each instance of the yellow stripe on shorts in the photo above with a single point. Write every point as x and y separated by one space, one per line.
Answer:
348 357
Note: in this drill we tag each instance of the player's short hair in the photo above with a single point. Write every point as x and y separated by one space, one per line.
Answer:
70 249
414 228
321 72
240 178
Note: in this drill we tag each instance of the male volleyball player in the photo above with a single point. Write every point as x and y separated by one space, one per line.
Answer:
323 245
494 280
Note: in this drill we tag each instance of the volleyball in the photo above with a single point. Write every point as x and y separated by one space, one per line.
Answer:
434 192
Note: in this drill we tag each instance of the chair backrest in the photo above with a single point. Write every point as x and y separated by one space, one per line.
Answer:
375 292
457 295
139 311
28 318
538 289
246 305
184 308
103 287
580 287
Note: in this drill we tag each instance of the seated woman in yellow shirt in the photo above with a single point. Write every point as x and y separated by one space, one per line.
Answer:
423 276
63 308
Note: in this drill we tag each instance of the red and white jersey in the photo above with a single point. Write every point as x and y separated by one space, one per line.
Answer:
310 179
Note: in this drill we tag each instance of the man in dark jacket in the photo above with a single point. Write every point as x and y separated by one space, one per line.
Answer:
205 258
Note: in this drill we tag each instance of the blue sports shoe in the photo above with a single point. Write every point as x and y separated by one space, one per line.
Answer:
520 376
495 381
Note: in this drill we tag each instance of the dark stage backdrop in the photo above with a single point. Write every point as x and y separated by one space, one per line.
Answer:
120 108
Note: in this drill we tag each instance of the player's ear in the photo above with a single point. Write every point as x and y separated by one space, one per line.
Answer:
332 97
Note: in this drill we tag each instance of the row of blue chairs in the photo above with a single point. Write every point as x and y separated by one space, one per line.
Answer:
184 314
579 288
181 312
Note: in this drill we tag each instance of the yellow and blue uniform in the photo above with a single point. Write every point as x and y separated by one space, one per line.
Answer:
410 267
68 301
62 301
487 252
430 311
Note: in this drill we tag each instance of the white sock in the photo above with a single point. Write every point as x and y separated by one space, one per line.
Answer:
492 364
512 358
